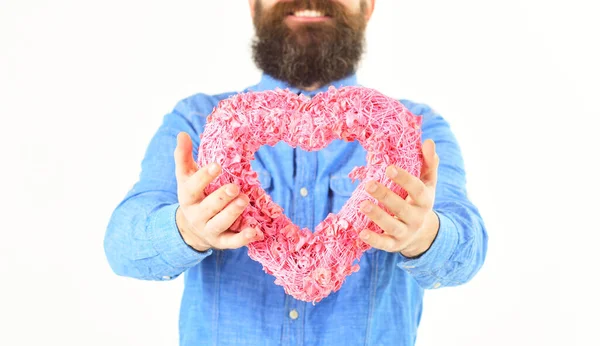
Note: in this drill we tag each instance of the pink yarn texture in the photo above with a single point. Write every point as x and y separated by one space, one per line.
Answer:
309 265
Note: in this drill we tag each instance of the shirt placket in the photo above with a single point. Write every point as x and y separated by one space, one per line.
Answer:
302 215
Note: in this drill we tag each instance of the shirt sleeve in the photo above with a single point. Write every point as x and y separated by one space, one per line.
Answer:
142 239
460 247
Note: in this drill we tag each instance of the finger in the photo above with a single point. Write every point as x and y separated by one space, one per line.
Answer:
431 162
393 227
185 165
235 240
192 190
415 188
224 219
379 241
406 212
216 202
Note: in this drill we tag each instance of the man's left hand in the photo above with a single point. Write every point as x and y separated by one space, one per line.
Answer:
414 225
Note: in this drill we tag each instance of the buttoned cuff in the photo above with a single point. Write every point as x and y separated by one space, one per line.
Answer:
164 234
438 254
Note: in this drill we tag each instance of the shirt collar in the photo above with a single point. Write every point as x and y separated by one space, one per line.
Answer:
269 83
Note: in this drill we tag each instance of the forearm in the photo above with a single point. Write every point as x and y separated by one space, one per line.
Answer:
142 239
458 251
460 245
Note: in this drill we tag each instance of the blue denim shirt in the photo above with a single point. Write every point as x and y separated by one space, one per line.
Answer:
229 300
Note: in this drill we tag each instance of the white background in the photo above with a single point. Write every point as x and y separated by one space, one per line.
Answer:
84 85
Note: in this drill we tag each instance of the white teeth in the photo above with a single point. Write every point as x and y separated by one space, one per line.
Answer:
308 13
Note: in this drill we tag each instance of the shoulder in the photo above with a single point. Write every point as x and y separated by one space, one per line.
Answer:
200 104
190 114
433 124
419 109
428 114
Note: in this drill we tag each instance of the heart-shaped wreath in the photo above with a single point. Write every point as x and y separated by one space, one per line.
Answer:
309 265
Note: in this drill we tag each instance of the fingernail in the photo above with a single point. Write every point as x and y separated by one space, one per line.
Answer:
213 169
250 234
241 202
367 207
231 191
392 172
371 187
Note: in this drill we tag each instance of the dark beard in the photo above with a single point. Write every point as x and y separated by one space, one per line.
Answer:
311 53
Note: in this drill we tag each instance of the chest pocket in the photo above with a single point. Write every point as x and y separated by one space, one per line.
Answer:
341 188
265 179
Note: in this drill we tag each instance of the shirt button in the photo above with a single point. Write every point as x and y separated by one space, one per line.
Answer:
293 314
303 192
437 285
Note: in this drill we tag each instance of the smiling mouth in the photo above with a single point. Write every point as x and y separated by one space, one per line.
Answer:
308 16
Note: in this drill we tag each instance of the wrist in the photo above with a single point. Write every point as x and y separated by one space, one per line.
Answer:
425 237
188 236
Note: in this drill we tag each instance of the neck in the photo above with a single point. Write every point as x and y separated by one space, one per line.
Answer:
269 83
310 88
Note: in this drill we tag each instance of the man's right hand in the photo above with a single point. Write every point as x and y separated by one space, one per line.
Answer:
204 221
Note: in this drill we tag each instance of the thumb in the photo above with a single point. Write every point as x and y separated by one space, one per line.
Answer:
185 165
431 163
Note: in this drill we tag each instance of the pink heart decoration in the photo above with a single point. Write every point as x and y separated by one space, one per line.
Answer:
309 265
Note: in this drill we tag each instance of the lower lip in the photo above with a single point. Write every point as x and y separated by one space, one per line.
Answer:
308 19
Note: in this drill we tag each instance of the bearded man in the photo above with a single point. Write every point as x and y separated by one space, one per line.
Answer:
166 226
